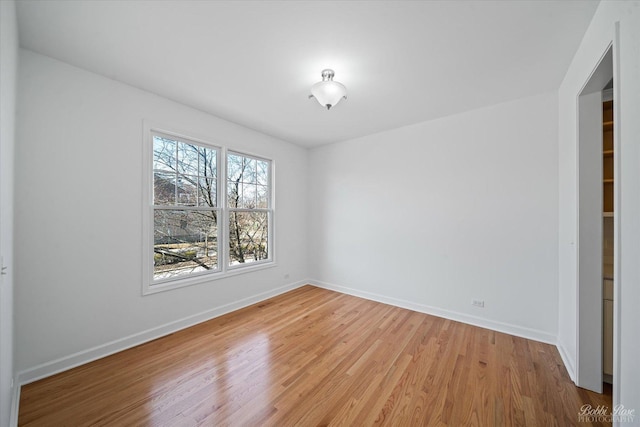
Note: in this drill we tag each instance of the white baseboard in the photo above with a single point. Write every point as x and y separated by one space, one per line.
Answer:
568 361
532 334
68 362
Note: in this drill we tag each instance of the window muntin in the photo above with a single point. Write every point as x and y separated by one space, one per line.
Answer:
185 212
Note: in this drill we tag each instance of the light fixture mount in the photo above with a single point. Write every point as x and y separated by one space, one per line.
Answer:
328 92
327 74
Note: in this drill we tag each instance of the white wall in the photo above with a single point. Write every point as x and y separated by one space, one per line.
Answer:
78 177
8 69
599 35
433 215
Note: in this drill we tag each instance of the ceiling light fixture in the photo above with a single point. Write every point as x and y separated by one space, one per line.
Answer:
327 92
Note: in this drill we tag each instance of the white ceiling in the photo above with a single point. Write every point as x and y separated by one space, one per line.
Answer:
253 62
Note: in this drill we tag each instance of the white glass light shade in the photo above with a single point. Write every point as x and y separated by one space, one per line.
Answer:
327 92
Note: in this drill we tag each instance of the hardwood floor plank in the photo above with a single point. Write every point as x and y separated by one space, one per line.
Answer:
316 357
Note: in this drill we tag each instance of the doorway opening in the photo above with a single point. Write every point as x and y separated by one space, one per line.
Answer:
596 216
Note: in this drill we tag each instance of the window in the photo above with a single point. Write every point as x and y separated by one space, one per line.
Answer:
248 202
185 212
205 218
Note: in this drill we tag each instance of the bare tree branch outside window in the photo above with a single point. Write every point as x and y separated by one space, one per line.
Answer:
185 208
248 202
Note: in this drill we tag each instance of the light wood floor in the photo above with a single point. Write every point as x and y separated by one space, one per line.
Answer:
315 357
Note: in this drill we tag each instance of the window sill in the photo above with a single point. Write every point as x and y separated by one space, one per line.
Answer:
191 281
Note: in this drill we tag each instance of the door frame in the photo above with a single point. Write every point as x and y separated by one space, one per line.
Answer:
589 320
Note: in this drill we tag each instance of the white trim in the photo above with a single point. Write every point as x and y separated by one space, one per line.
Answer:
532 334
80 358
617 230
588 359
15 404
146 237
569 363
199 278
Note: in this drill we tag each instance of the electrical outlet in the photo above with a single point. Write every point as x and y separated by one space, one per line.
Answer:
477 303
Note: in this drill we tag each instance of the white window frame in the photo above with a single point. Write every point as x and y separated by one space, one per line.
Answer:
268 210
149 286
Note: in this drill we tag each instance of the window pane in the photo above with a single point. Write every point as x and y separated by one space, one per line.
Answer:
164 188
207 192
248 234
263 172
234 191
249 196
262 196
187 159
187 190
208 165
164 154
249 171
234 167
185 242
